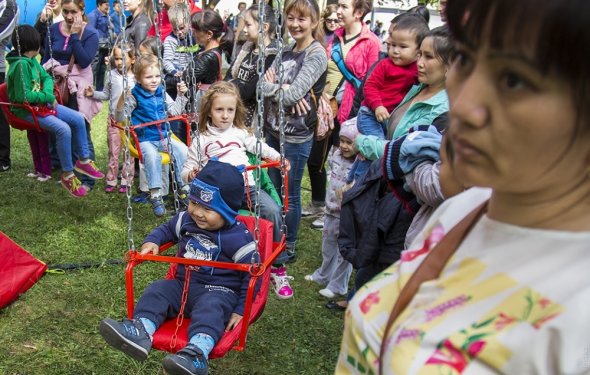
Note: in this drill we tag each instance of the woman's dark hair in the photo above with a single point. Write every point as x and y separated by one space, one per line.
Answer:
422 11
209 20
553 35
444 46
269 17
365 6
28 39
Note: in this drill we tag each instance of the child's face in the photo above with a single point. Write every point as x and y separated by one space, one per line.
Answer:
150 79
347 147
180 30
118 58
205 218
250 28
223 111
401 47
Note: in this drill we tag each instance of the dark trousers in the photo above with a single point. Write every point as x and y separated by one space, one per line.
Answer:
209 307
316 168
4 134
99 68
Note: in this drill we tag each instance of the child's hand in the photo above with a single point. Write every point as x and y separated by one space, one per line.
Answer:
192 174
150 247
270 75
89 91
234 319
181 88
178 74
107 60
287 165
381 113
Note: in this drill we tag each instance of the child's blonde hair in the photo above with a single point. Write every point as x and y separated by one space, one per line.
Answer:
311 9
142 63
179 13
221 88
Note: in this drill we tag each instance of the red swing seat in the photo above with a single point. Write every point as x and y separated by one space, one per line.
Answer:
164 338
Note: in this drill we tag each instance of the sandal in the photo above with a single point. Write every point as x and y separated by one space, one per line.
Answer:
334 305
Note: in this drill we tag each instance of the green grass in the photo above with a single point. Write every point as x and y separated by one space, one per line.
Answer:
52 329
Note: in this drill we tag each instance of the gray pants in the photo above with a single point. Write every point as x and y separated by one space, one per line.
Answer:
334 271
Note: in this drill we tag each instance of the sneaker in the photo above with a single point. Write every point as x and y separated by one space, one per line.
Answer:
327 293
4 167
280 282
312 209
33 174
43 178
74 186
89 169
190 360
142 197
312 279
128 336
318 223
124 189
109 189
158 206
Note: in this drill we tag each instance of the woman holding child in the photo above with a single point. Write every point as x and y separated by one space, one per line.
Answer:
508 293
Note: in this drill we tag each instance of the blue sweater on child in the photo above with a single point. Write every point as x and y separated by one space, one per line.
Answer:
233 244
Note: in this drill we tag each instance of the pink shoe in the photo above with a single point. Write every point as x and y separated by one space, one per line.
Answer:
280 282
89 169
74 186
124 189
109 189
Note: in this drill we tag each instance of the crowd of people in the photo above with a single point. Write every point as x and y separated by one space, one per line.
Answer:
463 110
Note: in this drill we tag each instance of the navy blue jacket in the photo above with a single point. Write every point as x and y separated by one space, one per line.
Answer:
233 244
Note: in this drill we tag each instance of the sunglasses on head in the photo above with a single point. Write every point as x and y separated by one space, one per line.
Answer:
331 20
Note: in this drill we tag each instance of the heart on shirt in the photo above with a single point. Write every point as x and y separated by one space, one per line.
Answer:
214 149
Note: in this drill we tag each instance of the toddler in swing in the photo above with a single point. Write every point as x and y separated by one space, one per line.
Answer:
208 230
223 135
112 92
28 82
149 102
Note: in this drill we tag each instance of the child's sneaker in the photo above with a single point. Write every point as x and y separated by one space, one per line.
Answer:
280 282
43 178
89 169
327 293
109 189
124 189
128 336
158 206
74 186
33 174
190 360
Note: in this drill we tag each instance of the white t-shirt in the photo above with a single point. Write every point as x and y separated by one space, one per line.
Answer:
511 300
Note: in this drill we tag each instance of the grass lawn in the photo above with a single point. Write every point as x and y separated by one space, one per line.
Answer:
53 328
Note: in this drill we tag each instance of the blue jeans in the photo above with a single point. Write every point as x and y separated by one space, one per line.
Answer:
152 160
269 210
69 127
367 123
297 154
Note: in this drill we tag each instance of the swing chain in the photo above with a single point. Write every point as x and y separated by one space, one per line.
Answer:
183 299
281 117
22 75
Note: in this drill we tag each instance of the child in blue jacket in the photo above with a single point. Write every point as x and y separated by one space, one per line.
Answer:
208 230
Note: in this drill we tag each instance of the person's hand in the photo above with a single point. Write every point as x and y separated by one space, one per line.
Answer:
150 247
302 107
178 74
55 103
287 165
192 174
77 25
107 60
181 87
381 113
89 91
46 13
270 75
234 319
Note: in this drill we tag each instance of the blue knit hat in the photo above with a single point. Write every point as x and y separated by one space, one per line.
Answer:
220 187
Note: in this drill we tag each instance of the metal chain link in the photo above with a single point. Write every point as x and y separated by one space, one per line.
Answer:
281 117
22 75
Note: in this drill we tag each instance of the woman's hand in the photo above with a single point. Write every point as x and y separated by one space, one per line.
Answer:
89 91
270 75
77 25
150 247
234 319
302 107
381 113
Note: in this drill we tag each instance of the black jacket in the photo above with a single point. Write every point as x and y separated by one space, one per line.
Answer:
373 221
